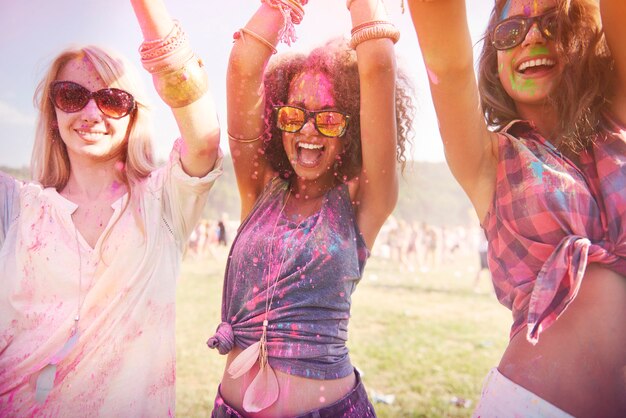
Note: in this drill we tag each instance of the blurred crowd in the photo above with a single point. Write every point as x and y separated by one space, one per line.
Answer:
210 235
416 246
421 247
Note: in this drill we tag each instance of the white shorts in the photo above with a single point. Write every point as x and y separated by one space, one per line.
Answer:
503 398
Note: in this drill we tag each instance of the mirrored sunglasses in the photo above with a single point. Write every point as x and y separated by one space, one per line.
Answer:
329 123
512 31
71 97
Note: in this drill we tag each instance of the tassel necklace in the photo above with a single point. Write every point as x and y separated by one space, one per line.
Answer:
263 390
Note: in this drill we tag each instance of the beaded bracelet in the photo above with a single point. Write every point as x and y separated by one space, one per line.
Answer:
387 30
167 53
177 73
157 48
239 34
368 24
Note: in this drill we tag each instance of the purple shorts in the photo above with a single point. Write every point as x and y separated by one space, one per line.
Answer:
354 405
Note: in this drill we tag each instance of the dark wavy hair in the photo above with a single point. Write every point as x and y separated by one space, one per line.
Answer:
583 91
338 62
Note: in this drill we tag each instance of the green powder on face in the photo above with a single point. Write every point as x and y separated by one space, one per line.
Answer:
539 50
526 86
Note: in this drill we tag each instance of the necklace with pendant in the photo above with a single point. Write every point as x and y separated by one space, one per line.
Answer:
263 390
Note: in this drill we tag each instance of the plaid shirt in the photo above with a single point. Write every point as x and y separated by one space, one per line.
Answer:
544 227
606 160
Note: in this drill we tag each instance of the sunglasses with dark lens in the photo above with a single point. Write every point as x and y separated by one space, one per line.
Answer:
71 97
330 123
512 31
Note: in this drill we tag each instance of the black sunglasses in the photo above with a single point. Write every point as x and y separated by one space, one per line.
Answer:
512 31
71 97
329 123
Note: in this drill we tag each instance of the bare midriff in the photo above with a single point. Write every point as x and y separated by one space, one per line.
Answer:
297 395
579 363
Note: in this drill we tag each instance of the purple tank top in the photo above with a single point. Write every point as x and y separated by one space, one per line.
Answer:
311 268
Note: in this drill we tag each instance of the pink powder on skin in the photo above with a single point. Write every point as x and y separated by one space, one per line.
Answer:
527 11
184 149
115 186
432 76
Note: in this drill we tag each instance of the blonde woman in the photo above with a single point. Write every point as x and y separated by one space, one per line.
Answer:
91 249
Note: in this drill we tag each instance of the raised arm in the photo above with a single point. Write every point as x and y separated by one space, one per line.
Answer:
251 52
377 186
182 83
443 35
613 17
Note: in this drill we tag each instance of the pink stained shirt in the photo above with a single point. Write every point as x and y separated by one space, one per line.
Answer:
604 166
544 227
124 361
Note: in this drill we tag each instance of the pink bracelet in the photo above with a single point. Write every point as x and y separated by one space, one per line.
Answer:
166 54
159 47
293 13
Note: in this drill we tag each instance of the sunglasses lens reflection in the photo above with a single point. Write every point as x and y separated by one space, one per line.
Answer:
71 97
511 32
290 119
549 25
331 123
328 123
114 102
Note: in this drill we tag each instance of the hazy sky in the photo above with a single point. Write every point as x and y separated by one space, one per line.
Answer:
33 31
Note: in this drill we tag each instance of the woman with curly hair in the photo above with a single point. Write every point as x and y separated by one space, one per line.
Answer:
315 141
91 249
538 145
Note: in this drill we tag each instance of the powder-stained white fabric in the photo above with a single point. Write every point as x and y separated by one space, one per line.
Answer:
124 361
502 398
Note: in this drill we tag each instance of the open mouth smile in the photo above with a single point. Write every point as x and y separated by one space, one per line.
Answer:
536 66
309 155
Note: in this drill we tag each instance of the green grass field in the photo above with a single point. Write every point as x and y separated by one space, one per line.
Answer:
427 338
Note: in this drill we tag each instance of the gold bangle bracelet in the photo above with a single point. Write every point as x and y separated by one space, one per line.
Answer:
182 86
243 140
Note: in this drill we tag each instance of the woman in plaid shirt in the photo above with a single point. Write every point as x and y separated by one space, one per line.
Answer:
539 146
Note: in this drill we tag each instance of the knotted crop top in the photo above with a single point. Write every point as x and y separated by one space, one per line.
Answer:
547 222
311 268
604 166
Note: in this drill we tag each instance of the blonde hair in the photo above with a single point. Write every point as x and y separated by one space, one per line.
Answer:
584 89
50 163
